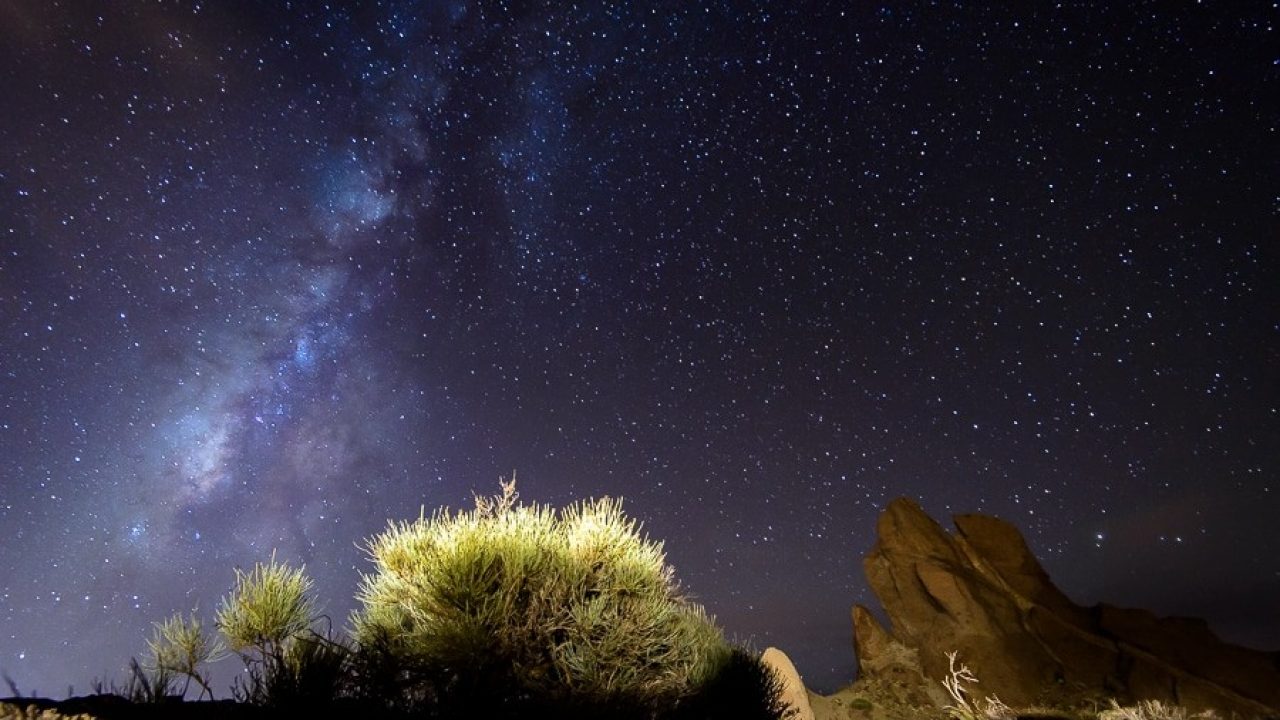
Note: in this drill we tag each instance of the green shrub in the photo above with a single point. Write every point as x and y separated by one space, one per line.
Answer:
516 604
180 645
268 606
269 619
311 673
505 611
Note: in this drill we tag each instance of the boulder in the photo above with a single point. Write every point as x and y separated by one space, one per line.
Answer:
793 690
981 592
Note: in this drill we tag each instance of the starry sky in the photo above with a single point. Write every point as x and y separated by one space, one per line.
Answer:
274 273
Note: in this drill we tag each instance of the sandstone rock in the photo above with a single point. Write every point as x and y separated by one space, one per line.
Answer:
875 648
1189 644
981 592
1002 548
937 600
793 690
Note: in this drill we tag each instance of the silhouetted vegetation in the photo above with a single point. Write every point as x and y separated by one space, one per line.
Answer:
270 620
180 645
505 610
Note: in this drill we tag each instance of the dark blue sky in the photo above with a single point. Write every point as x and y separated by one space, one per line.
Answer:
272 274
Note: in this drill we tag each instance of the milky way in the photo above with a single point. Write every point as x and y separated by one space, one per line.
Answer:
272 274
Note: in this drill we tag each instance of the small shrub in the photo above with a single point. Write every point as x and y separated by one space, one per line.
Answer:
268 619
144 686
1152 710
180 646
965 708
268 606
510 604
311 673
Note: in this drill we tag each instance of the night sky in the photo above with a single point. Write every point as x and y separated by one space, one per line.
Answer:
272 274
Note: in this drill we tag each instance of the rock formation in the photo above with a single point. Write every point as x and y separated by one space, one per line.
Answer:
982 593
794 693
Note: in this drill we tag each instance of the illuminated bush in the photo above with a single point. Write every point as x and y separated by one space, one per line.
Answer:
531 604
180 645
267 607
269 619
504 611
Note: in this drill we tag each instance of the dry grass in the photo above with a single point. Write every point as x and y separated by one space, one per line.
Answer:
965 706
1153 710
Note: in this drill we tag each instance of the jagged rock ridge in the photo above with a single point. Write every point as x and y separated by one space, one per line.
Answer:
982 593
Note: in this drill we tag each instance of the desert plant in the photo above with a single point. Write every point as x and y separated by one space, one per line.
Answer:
514 603
14 690
268 619
144 686
964 707
311 672
180 645
1152 710
268 606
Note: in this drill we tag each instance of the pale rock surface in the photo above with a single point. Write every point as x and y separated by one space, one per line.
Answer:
793 690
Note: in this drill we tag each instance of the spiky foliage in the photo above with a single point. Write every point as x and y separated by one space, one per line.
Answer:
268 605
143 686
1152 710
181 645
309 672
540 604
269 618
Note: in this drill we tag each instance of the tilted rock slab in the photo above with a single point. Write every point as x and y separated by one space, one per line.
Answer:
982 593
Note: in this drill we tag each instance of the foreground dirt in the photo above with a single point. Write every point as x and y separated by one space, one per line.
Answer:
114 707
